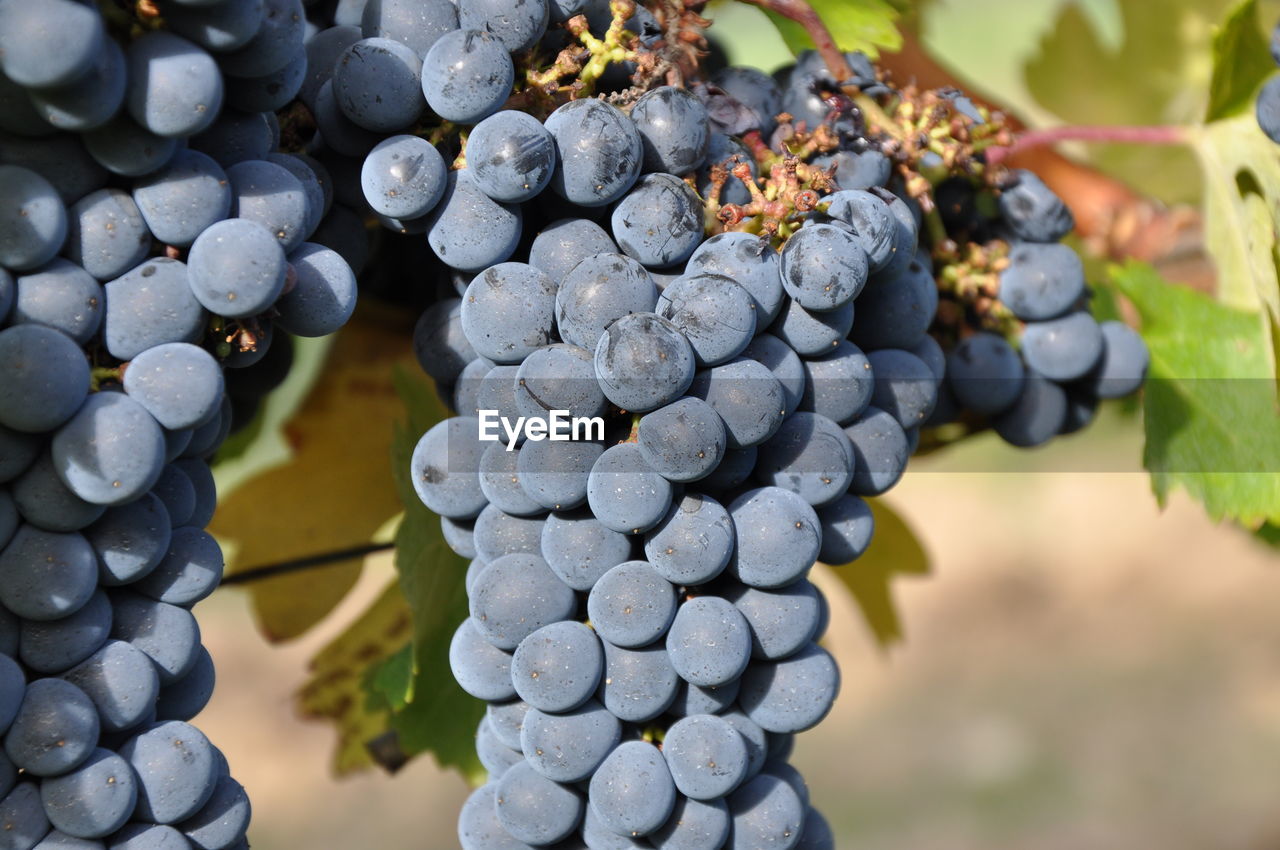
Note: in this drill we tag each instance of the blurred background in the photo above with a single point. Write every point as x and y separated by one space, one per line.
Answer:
1080 669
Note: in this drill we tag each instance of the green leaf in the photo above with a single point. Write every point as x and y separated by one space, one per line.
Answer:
895 551
432 713
865 25
1241 62
1242 171
1212 425
1270 534
1158 74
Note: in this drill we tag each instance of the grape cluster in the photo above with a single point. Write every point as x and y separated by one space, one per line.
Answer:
154 265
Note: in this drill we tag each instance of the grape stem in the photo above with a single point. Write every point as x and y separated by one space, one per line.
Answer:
1153 135
804 15
307 562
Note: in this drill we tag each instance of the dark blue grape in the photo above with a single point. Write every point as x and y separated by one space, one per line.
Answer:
187 697
643 362
683 441
693 543
985 373
268 92
439 342
179 384
43 500
167 634
838 385
89 102
495 757
793 694
766 812
709 642
631 605
52 646
596 292
416 23
1267 109
176 87
149 306
823 267
693 825
506 720
896 308
716 315
122 683
478 826
809 456
728 152
579 548
445 467
62 296
181 200
659 222
23 816
468 230
480 668
694 699
558 377
1037 416
632 791
782 621
511 156
111 451
707 757
600 152
568 747
49 44
554 474
467 75
106 234
55 729
904 386
812 334
880 450
1124 362
377 84
516 595
782 361
500 482
533 808
1041 281
178 494
1063 349
176 769
778 537
273 46
217 26
638 684
142 836
206 491
235 137
856 171
562 245
189 572
323 296
625 493
508 312
673 129
754 90
15 687
268 194
93 800
33 220
46 576
224 818
748 260
498 533
518 26
557 667
747 397
1032 211
872 223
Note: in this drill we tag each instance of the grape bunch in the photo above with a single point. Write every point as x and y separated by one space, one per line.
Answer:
154 266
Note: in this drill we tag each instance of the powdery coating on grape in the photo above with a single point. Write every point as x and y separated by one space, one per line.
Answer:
908 229
985 373
756 91
55 729
695 699
46 575
167 634
142 836
535 809
511 156
266 193
714 313
189 572
217 26
631 605
45 501
44 380
15 686
778 537
896 308
554 474
625 493
683 441
1037 416
206 491
568 747
23 816
579 548
782 360
187 697
793 694
1032 211
598 291
111 451
403 177
707 757
674 130
277 41
495 757
857 170
149 306
871 221
92 100
750 262
1124 362
659 222
500 482
53 646
323 296
599 149
49 44
377 84
440 344
638 684
558 667
506 720
881 451
709 642
468 230
223 820
563 244
478 827
810 456
1063 349
817 833
467 75
515 596
498 533
181 200
812 334
179 384
632 791
106 234
558 377
782 621
416 23
1041 281
823 267
271 91
480 668
904 386
178 494
122 683
517 25
693 825
33 220
95 799
445 467
766 812
747 397
643 362
176 768
176 87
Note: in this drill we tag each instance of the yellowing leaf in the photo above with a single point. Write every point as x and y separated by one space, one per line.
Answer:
895 551
1241 62
338 689
333 492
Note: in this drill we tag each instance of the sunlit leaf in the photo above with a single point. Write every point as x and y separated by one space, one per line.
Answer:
866 25
1241 62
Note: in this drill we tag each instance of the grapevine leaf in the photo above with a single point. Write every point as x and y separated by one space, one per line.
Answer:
1241 62
895 551
865 25
1210 412
1242 170
338 446
1161 59
432 713
1270 534
338 689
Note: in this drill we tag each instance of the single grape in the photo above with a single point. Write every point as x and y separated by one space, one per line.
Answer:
782 621
518 27
632 791
714 313
880 450
568 747
467 75
277 41
189 572
268 92
554 474
176 87
896 308
709 642
1063 349
579 548
643 362
557 667
674 130
93 800
223 820
498 533
480 668
42 499
416 23
638 684
695 699
323 296
53 646
1124 362
535 809
217 26
55 729
596 292
823 267
1042 281
143 836
445 467
659 222
694 825
747 397
683 441
766 812
167 634
1032 211
515 596
183 199
558 377
149 306
33 220
778 537
693 543
122 683
176 768
23 816
403 177
15 687
748 260
106 234
985 373
599 151
268 194
1037 416
45 575
500 482
187 697
1267 109
707 757
111 451
511 155
793 694
756 91
179 384
625 493
470 231
236 137
904 386
812 334
809 456
631 605
377 84
563 244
